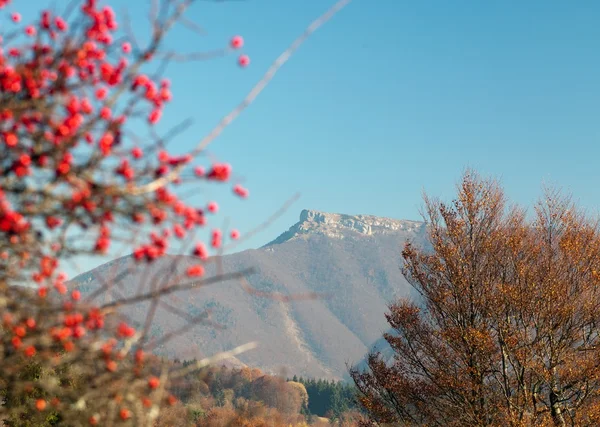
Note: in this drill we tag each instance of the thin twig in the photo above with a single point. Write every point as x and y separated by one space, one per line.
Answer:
175 288
213 359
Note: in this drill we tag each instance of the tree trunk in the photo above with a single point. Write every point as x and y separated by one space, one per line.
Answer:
556 411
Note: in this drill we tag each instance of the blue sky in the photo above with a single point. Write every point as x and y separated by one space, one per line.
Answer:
394 97
391 98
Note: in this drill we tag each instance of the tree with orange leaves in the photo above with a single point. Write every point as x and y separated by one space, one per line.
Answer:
506 332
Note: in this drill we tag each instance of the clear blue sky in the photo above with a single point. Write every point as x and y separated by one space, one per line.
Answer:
394 97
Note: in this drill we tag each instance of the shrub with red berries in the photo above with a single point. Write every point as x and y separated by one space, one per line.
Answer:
74 182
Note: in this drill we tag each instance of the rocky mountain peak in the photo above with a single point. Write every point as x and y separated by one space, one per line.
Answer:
353 258
340 225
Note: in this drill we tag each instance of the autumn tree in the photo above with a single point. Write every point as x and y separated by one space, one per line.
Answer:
277 393
505 331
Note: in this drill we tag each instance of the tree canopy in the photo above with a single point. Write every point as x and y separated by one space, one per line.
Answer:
506 329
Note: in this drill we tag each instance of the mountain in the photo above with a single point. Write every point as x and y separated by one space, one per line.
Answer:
354 261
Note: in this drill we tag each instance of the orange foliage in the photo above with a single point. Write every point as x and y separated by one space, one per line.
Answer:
507 332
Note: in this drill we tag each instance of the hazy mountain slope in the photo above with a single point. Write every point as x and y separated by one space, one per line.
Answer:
353 259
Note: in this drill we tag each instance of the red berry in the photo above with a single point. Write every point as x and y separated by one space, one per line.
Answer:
240 191
30 351
199 171
53 222
126 47
137 153
234 234
195 271
237 42
20 331
40 404
216 238
86 106
101 93
16 17
78 331
125 331
61 25
213 207
179 231
11 139
60 288
220 172
153 382
125 414
244 61
154 116
163 156
105 113
16 342
200 251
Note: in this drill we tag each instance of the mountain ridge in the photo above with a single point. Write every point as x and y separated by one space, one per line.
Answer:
313 221
355 259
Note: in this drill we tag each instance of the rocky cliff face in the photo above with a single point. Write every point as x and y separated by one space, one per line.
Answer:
354 259
340 226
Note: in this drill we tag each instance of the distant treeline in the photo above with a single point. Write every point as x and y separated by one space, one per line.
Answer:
218 396
328 398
